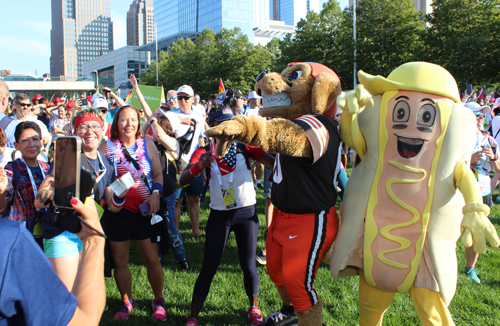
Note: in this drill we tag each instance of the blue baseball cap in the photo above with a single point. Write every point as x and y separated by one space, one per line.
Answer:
221 115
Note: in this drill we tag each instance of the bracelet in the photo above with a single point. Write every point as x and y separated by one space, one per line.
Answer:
118 202
195 171
495 157
476 207
157 186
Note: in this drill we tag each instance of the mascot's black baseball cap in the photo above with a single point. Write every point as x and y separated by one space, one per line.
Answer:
222 114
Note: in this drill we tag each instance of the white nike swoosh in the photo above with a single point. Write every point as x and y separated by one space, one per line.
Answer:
290 237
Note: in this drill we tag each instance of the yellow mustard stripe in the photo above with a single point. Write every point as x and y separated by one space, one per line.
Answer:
404 243
444 119
371 230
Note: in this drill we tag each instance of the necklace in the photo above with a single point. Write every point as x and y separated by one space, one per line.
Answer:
96 168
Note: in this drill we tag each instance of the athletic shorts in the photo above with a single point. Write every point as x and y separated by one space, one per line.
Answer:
63 245
126 225
195 188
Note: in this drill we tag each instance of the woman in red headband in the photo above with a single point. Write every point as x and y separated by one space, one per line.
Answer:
62 247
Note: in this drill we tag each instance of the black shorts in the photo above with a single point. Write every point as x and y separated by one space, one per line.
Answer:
126 225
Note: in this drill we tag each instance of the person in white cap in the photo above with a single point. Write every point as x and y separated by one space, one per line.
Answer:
254 104
101 104
185 98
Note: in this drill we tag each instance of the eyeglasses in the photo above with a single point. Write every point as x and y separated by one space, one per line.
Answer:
24 104
185 98
479 114
173 97
84 128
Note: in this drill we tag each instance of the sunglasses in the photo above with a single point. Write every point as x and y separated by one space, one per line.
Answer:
197 97
479 114
173 97
104 111
185 98
25 104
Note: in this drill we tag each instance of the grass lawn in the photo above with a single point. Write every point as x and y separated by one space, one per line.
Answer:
473 304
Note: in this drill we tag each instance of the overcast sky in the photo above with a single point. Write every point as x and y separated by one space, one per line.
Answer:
25 34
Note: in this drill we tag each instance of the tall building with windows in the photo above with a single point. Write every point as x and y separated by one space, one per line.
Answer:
193 16
292 11
140 23
81 31
424 5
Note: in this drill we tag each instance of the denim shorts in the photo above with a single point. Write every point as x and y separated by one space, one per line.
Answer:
64 245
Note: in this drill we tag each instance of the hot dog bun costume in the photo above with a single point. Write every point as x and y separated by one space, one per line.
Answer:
307 143
413 193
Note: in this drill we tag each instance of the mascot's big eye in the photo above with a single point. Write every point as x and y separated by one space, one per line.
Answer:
426 115
401 112
294 75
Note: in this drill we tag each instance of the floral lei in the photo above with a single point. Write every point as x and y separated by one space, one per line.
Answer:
136 174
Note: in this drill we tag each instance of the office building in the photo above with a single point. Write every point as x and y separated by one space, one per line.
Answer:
424 5
193 16
292 11
140 23
81 31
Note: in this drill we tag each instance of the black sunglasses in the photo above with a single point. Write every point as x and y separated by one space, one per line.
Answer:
25 104
186 98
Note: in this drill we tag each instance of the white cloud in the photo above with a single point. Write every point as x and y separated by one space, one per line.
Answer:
119 29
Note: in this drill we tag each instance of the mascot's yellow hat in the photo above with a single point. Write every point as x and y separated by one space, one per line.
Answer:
413 76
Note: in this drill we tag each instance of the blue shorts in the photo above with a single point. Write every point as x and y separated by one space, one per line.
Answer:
64 245
195 188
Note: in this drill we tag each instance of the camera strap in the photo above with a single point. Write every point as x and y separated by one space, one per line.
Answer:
136 166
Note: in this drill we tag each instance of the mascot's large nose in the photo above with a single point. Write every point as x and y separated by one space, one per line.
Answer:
260 76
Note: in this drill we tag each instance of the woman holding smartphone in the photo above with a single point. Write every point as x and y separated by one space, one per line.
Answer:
130 153
62 247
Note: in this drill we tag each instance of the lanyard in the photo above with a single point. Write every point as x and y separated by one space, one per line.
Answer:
216 170
33 184
102 173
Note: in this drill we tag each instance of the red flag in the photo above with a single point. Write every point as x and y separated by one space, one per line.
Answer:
480 95
221 87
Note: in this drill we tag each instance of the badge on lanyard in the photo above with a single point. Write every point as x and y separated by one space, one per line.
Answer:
229 199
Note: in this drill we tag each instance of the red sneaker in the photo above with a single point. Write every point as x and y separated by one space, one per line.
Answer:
255 316
125 311
191 322
159 312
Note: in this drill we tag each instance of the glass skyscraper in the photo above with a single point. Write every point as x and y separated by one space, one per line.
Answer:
81 31
177 16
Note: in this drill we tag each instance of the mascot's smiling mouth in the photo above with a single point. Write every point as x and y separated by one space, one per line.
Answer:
409 147
276 100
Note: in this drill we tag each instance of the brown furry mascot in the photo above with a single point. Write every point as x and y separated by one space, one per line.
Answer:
304 177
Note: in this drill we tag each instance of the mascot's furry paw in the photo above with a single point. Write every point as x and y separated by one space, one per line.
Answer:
228 130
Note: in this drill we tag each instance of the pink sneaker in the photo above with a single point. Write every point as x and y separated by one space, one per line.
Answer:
159 312
255 316
125 311
191 322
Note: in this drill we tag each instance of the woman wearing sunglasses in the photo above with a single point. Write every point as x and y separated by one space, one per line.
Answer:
484 159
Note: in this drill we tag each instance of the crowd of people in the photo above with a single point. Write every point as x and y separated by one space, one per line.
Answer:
165 152
169 159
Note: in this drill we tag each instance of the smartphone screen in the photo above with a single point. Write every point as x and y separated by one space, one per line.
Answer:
66 170
468 88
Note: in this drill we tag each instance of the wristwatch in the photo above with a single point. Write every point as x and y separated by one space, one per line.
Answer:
157 192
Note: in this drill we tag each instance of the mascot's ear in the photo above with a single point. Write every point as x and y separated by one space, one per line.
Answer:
325 90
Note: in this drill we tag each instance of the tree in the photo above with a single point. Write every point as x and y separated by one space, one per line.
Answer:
463 37
227 55
388 34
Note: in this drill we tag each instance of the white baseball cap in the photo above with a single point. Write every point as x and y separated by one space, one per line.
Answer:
253 95
185 89
96 96
476 107
100 103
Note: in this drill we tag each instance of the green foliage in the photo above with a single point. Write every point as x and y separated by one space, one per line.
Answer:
463 37
227 55
226 304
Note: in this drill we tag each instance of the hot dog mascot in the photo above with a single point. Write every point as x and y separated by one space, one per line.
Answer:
413 194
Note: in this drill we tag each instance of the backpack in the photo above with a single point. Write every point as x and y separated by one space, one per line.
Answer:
5 122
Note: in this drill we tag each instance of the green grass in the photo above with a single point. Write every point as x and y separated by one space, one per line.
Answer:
473 304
